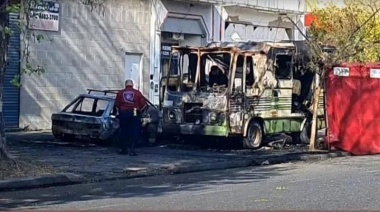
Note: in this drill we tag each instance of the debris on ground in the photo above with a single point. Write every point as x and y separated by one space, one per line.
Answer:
18 168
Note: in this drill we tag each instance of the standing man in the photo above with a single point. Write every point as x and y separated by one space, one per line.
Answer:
130 102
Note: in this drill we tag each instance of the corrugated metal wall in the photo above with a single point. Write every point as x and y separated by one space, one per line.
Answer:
11 95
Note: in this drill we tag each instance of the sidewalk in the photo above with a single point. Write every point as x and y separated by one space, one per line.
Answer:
91 163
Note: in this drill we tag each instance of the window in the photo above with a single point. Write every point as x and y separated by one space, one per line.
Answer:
283 68
85 106
184 63
171 65
215 69
88 106
174 66
238 81
76 105
100 107
188 67
250 77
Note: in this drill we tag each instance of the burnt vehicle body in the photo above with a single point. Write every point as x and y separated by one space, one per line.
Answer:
258 92
94 117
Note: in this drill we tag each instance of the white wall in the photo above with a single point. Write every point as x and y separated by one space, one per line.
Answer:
207 12
87 52
294 5
256 18
323 3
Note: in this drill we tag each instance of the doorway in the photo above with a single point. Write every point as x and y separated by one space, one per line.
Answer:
133 69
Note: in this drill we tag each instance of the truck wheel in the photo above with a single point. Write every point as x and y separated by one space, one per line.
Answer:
306 132
254 138
296 138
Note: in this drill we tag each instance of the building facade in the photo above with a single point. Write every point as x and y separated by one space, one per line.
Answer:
88 49
132 39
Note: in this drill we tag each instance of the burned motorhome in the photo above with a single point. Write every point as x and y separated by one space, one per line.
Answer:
245 90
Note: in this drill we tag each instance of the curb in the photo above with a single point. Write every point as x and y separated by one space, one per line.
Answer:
41 181
293 157
189 168
208 167
68 178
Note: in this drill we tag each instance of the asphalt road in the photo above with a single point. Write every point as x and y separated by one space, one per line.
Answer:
342 183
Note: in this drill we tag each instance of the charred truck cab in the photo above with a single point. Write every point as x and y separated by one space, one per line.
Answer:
245 90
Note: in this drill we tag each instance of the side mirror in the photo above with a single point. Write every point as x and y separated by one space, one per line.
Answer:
163 83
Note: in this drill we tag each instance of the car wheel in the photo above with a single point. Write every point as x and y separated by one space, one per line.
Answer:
68 137
255 135
57 135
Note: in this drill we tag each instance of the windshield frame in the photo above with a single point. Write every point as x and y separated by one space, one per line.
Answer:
204 52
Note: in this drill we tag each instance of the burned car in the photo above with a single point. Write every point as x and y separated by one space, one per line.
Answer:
93 116
244 90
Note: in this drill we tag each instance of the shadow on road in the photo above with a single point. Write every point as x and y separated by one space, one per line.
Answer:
136 188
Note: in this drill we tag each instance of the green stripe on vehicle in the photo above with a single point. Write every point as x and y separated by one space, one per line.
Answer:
282 125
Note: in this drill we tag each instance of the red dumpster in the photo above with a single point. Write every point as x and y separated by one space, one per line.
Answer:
353 103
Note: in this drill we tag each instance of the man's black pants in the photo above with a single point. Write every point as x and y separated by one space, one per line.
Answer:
130 130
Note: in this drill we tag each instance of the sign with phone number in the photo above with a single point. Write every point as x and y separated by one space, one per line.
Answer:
342 71
44 16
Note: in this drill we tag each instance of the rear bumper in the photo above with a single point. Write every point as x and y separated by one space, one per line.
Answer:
85 133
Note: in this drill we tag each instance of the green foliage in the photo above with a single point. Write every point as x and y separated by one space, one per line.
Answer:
354 30
13 8
29 70
16 81
7 31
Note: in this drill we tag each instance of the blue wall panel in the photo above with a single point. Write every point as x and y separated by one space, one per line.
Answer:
11 94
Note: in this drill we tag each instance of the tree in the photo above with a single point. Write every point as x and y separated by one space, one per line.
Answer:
21 7
354 31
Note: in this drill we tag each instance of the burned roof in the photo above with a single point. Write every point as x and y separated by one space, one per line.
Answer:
201 49
179 48
244 46
252 45
281 44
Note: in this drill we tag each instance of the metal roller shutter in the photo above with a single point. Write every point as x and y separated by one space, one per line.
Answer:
11 95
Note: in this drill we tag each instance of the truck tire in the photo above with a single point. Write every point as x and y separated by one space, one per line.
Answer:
306 132
255 135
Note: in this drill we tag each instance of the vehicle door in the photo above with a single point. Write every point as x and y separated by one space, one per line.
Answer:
282 95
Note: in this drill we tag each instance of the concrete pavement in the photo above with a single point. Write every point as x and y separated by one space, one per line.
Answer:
93 164
350 183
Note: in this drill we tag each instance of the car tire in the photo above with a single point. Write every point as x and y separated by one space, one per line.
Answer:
56 135
254 138
68 137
